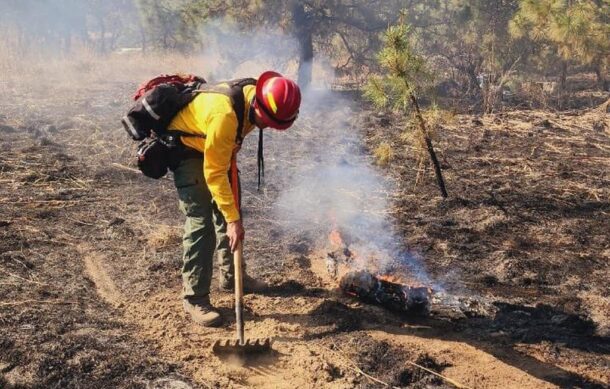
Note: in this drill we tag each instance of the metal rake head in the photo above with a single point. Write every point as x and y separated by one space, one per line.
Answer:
250 346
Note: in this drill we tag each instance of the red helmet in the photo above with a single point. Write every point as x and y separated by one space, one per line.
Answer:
277 100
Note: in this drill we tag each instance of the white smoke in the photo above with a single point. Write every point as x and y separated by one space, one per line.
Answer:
328 181
334 185
233 53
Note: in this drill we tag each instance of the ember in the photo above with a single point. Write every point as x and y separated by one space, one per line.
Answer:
335 238
340 256
392 295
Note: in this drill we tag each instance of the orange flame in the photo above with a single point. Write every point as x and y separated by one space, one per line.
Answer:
390 278
348 256
402 280
335 238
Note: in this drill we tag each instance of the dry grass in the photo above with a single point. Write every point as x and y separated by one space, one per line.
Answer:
163 236
384 154
84 69
525 219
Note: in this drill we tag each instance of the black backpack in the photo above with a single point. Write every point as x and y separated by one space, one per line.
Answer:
159 100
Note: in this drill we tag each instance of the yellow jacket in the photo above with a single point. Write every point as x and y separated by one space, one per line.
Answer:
212 115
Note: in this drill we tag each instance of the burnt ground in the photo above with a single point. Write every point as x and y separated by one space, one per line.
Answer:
90 258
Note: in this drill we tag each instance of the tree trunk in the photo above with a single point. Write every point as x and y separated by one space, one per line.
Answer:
303 31
564 75
430 147
473 81
66 35
600 72
21 41
142 36
102 46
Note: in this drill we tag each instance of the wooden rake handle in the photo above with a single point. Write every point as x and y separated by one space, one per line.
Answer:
238 260
239 292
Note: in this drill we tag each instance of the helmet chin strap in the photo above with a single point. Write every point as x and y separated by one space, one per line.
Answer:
260 157
260 160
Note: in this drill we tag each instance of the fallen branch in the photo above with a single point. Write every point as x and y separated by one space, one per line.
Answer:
7 255
130 169
22 278
354 367
447 379
57 202
123 167
38 302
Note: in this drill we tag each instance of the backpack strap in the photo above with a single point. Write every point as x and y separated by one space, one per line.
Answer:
260 159
239 104
182 133
235 92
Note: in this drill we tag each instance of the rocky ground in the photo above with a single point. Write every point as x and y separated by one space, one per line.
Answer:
90 257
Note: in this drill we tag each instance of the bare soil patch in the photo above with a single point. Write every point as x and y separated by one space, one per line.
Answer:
90 260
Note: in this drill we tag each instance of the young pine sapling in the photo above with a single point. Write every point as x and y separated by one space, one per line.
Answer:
405 73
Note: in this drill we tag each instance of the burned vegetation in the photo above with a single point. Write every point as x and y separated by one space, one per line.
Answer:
445 227
91 282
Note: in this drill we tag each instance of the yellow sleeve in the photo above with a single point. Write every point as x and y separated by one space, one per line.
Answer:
219 143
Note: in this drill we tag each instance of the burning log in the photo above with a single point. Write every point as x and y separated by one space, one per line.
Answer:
391 295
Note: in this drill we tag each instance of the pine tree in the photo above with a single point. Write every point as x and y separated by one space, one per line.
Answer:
405 73
344 31
578 30
173 24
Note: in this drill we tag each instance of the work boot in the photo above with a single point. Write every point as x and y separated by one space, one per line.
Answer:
251 285
202 311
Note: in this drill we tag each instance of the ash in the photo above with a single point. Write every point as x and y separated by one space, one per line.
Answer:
420 301
459 307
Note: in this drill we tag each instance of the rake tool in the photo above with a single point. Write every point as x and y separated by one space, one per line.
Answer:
241 345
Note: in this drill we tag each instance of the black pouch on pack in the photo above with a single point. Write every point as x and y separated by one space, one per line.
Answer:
159 154
153 158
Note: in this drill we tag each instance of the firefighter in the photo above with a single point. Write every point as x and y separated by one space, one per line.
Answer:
212 217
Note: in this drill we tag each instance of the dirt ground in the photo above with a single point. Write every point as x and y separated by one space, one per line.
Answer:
90 259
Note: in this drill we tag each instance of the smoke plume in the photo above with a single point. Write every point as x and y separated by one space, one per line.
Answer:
328 181
335 186
231 53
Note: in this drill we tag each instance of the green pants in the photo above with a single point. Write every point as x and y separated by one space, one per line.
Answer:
205 230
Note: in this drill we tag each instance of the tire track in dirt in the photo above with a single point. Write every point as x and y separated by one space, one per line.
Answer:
104 286
159 319
468 364
162 321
